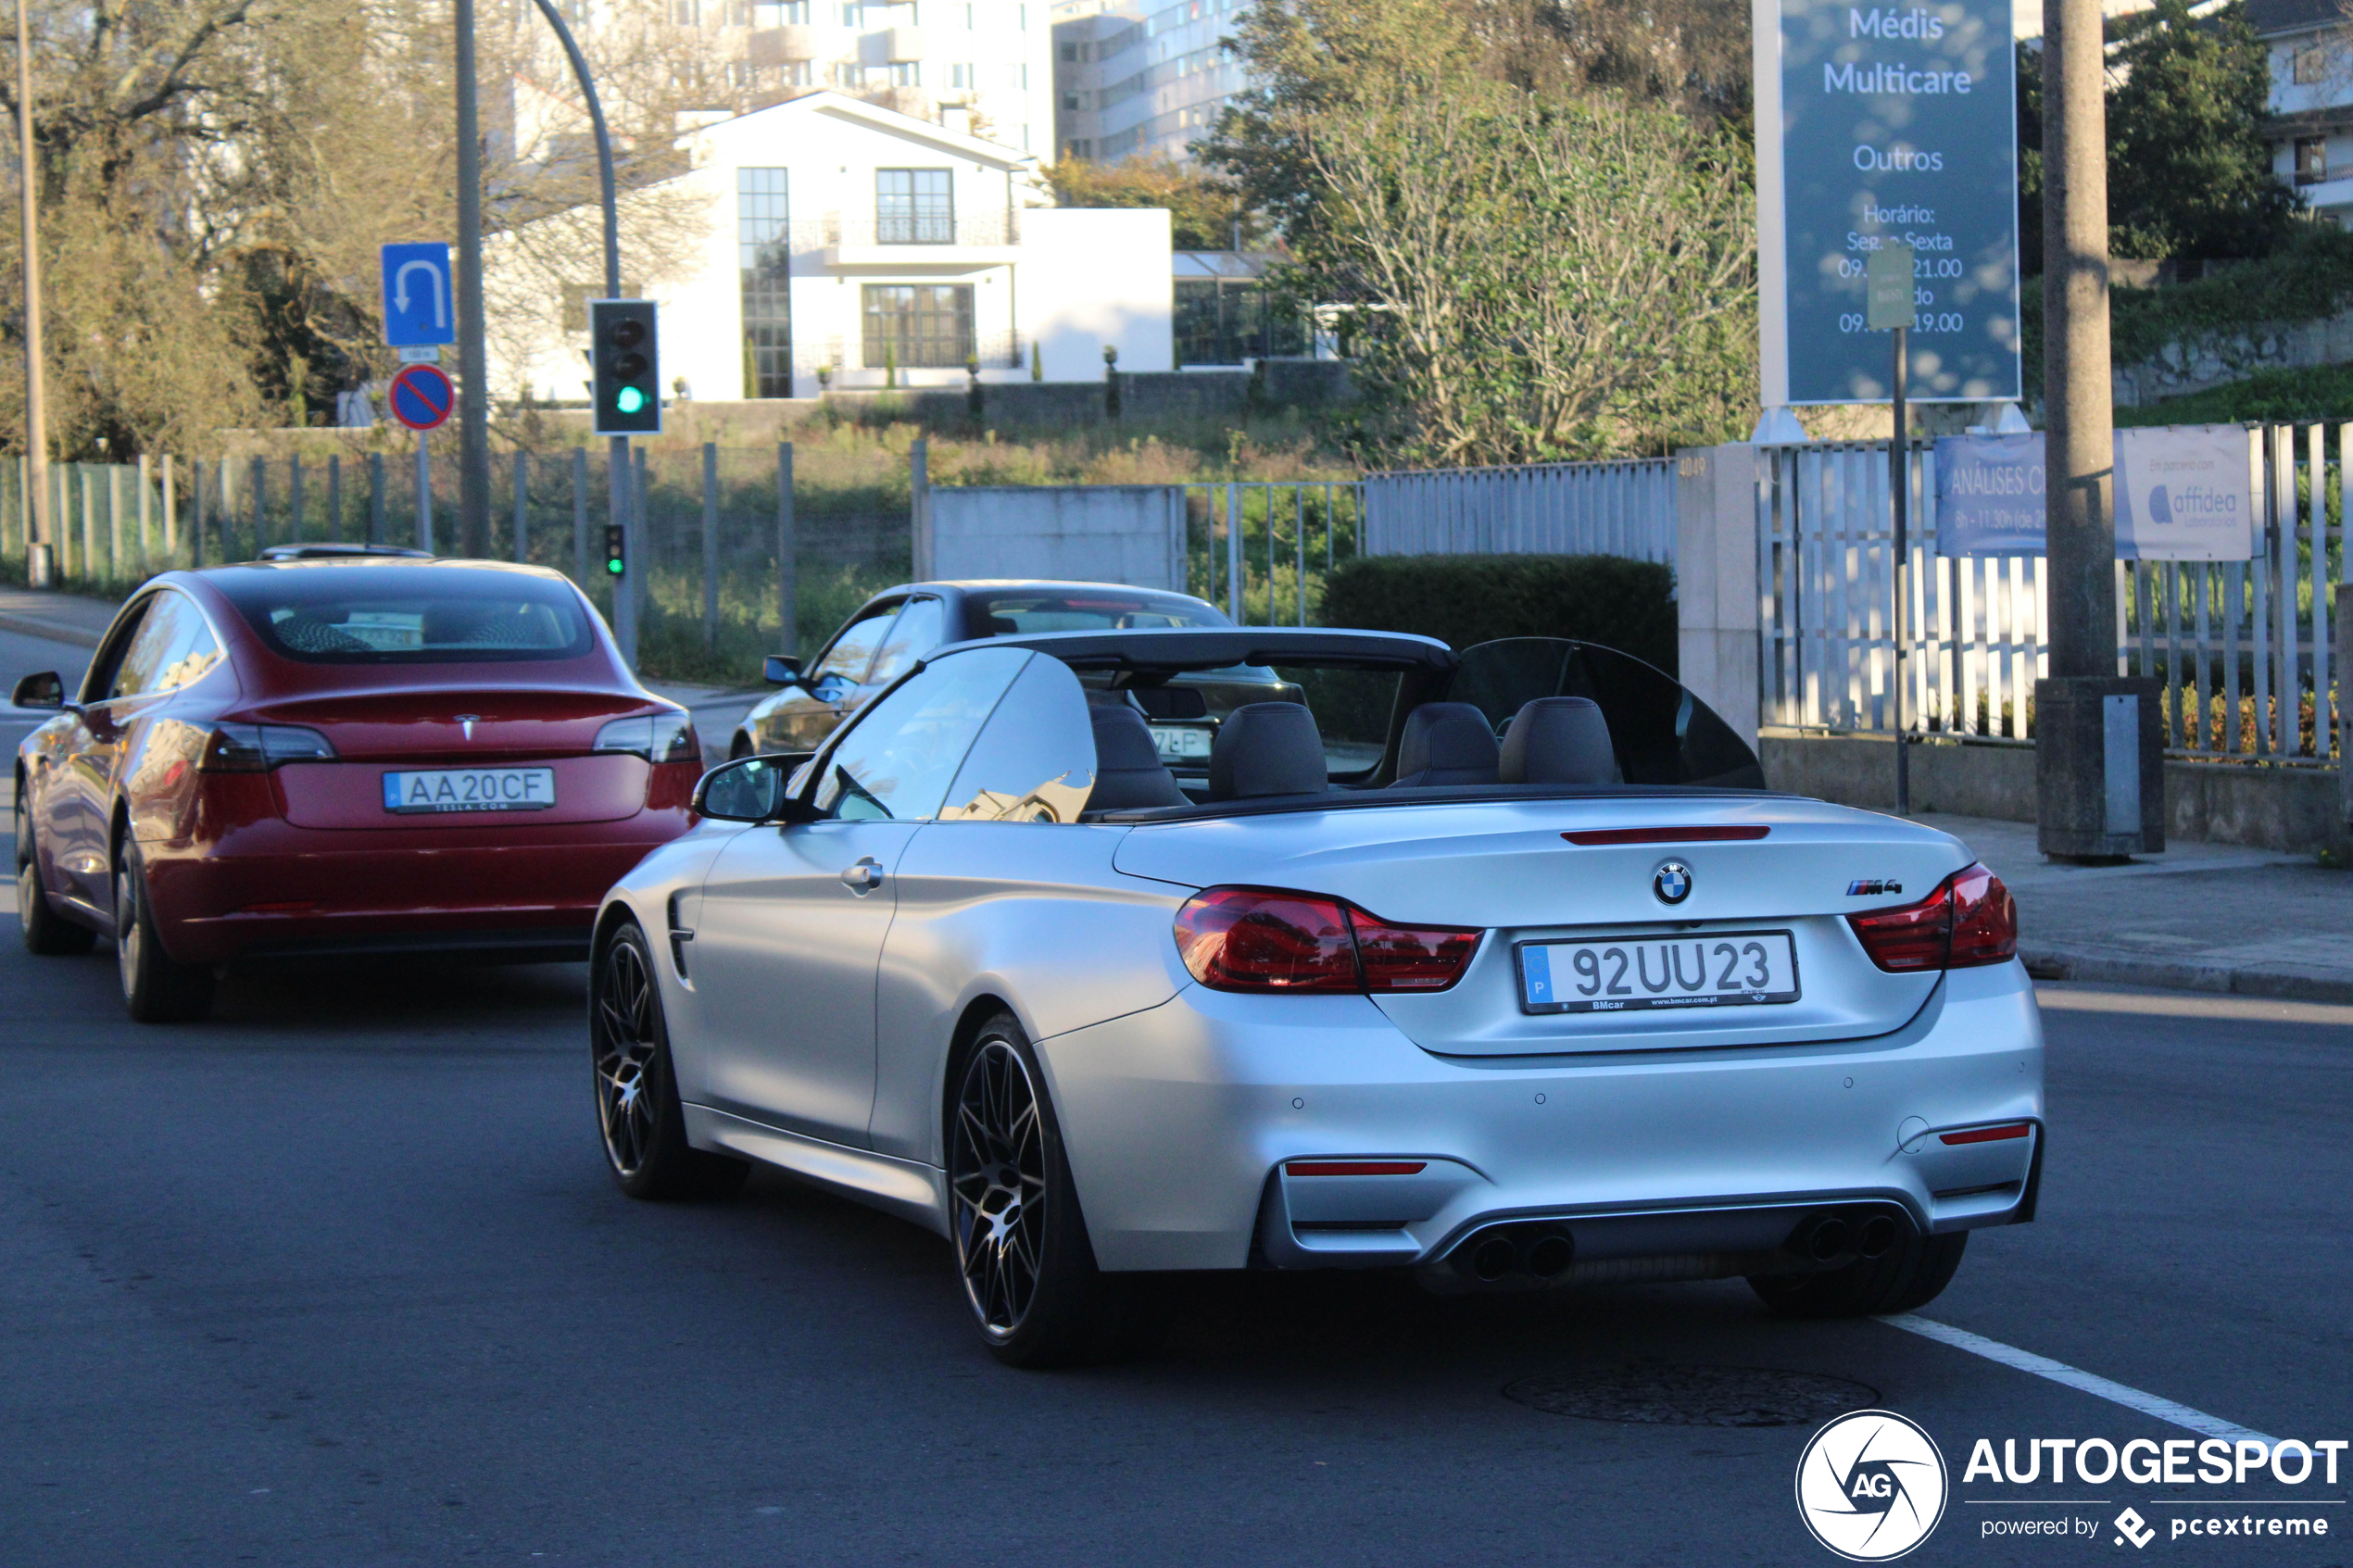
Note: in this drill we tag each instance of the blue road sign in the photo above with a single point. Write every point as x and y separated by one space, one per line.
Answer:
421 307
420 397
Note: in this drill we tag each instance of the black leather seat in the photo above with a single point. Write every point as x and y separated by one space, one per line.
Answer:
1559 740
1268 749
1447 743
1128 772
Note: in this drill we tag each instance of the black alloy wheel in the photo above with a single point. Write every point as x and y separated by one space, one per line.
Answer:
1029 1271
156 989
46 932
637 1107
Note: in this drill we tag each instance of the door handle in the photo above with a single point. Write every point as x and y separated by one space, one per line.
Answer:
864 877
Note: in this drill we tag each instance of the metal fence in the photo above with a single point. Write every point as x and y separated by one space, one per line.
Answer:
2242 646
1620 508
1263 549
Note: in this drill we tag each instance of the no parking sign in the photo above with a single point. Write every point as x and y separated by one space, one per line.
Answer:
420 397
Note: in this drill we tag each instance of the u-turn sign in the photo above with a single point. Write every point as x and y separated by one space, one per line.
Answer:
419 307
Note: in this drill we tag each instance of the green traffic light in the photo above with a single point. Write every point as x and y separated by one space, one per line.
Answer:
613 567
629 399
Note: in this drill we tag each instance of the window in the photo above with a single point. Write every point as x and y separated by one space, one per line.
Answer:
1035 760
896 762
1070 57
764 262
2312 64
121 669
921 627
780 13
907 73
852 14
2311 159
854 649
1106 609
963 77
415 615
797 73
918 325
173 647
913 207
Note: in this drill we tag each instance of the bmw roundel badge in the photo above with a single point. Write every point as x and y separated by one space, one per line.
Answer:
1671 882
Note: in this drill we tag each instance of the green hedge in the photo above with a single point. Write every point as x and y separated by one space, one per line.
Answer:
1626 605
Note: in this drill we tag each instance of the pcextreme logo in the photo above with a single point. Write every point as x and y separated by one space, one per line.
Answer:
1871 1485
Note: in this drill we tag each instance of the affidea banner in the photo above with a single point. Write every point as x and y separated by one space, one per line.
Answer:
1880 124
2182 493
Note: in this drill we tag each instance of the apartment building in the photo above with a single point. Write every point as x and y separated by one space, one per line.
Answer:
993 58
1134 78
2310 127
850 246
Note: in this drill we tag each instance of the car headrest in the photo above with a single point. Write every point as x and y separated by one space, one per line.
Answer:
1268 749
1128 772
1559 740
1446 743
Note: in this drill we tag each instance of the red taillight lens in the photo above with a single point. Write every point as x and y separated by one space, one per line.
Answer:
1261 939
1969 921
1243 939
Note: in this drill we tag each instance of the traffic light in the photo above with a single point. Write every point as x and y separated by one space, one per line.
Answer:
626 366
616 550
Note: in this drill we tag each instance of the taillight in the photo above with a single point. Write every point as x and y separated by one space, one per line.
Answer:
1971 919
1261 939
657 738
256 748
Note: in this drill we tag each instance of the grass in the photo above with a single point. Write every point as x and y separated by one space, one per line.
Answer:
2322 392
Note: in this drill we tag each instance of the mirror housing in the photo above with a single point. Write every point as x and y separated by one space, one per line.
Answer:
751 789
45 690
783 670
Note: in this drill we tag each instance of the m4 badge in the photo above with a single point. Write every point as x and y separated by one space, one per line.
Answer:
1871 887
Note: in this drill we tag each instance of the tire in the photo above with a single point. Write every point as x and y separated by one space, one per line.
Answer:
156 989
1914 1273
46 931
1028 1268
638 1110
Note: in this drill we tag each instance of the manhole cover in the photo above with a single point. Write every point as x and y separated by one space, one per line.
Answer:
1694 1396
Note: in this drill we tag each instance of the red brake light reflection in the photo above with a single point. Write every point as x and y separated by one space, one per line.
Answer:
1969 921
1263 939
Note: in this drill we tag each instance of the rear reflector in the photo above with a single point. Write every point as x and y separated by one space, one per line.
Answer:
1991 1134
1666 836
1354 1168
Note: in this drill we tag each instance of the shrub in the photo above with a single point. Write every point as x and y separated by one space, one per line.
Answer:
1626 605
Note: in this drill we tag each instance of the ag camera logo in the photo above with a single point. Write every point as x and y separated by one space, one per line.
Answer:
1871 1485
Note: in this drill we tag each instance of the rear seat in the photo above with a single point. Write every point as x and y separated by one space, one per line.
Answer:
1446 743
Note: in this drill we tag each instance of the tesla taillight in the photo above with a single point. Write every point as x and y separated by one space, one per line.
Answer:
657 738
1971 919
256 748
1263 939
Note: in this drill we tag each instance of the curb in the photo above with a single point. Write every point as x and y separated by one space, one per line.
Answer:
2109 965
48 631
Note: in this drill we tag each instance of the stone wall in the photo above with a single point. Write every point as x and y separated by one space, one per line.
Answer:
2219 359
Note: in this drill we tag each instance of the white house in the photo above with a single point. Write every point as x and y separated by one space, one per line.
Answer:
2311 126
880 247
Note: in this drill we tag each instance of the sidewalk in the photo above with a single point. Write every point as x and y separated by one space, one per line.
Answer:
58 618
2200 917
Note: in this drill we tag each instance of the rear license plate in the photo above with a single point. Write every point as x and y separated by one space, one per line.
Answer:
1181 742
1636 973
470 789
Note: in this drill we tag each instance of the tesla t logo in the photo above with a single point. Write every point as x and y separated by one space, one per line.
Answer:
467 722
1671 882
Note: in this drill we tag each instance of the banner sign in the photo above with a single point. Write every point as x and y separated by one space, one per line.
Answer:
2182 493
2187 493
1886 125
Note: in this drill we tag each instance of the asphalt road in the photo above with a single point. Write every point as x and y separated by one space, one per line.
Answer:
339 1279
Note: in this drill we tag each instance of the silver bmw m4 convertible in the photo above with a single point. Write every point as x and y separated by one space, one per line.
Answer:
1500 966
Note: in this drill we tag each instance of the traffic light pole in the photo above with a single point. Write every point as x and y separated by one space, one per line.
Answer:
617 466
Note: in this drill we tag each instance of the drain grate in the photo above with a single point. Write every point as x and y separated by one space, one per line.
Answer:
1651 1395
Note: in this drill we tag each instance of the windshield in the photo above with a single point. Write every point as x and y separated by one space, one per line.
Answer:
377 615
1012 614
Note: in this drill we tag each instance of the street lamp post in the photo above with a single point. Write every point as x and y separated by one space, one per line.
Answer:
473 386
40 547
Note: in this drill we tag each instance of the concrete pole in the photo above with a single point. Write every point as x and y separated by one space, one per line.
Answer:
787 558
2080 428
39 550
473 384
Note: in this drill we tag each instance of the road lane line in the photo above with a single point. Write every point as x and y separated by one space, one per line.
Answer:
2090 1383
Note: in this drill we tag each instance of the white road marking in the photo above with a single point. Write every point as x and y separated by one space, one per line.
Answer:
2090 1383
2067 997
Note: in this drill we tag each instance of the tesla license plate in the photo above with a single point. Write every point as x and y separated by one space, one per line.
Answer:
472 789
1636 973
1181 742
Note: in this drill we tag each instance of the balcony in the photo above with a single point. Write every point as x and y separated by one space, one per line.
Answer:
920 240
780 45
902 43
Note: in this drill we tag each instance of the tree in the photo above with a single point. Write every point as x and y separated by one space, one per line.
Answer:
1205 212
2189 169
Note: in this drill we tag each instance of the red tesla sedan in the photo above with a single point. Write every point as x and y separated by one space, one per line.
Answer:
340 756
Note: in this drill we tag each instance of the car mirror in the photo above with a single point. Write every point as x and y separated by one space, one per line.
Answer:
44 690
751 789
783 670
